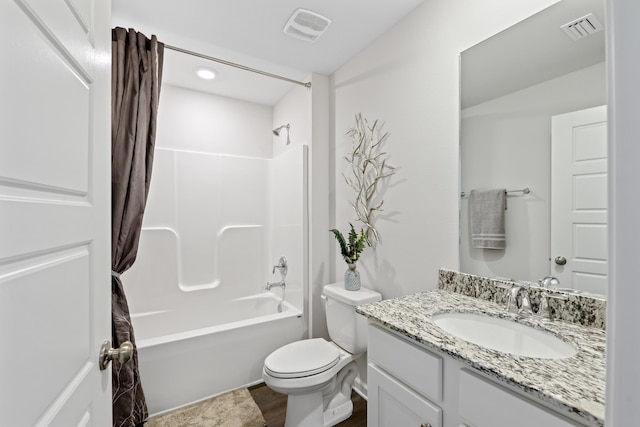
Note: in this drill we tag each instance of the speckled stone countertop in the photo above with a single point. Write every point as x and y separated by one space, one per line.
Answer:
574 385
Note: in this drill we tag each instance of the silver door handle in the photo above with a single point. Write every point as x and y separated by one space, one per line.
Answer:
560 260
107 354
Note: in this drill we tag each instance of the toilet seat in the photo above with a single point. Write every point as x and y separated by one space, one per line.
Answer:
302 359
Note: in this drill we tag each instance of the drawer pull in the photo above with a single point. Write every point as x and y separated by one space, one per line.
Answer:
425 425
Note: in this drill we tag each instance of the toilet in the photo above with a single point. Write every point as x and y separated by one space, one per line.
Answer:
316 374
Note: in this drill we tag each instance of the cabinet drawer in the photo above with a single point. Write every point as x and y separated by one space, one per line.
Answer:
409 363
484 404
392 404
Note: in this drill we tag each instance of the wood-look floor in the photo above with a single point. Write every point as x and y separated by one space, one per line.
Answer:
274 406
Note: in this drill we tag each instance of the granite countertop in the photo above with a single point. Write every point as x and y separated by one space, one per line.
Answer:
575 385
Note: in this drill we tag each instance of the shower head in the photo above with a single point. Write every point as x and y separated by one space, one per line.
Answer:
276 131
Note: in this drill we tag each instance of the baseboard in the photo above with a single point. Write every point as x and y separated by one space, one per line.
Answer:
255 384
360 387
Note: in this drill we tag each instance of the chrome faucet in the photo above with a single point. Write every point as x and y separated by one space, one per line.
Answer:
283 268
549 282
512 303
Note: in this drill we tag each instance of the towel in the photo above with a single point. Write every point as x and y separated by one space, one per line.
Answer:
487 218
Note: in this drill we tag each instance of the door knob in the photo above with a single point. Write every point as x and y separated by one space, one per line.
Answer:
560 260
107 354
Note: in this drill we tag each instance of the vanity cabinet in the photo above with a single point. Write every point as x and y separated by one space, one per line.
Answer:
392 403
398 394
484 404
410 386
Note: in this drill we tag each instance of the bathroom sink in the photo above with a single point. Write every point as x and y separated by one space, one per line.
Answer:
504 335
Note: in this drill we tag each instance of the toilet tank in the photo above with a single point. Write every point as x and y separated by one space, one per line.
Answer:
347 328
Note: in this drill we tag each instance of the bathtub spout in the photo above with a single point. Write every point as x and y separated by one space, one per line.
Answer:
282 286
280 283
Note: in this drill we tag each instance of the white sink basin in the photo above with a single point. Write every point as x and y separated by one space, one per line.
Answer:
504 335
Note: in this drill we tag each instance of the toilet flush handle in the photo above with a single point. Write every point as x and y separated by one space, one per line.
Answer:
324 298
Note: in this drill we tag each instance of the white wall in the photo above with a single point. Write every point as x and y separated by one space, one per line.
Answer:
408 79
506 142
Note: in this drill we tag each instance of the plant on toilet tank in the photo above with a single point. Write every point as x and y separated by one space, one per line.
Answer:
368 164
350 250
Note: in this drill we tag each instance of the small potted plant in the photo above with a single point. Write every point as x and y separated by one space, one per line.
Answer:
350 249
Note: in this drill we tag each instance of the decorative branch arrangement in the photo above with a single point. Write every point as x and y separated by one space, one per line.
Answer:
369 166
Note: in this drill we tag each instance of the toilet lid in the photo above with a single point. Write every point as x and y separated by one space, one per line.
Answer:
302 359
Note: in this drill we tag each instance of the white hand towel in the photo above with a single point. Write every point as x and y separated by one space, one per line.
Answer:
487 218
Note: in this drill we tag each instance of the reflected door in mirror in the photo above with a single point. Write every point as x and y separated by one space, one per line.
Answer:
579 200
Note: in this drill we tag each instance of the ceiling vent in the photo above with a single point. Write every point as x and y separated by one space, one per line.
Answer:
582 27
306 25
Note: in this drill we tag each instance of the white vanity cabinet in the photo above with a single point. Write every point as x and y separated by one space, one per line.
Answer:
391 403
398 394
410 386
484 404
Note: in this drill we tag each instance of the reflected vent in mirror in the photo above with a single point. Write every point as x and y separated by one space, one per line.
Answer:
582 27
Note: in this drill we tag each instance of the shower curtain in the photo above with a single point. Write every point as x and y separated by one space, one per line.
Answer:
136 75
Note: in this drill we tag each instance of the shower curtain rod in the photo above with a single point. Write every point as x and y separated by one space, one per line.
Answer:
242 67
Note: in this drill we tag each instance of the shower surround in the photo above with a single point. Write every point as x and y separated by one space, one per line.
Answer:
213 229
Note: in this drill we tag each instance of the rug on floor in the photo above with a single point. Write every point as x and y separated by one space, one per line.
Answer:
232 409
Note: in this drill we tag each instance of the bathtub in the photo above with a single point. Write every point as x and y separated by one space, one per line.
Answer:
183 358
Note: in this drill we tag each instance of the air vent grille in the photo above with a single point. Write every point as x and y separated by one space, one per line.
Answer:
306 25
582 27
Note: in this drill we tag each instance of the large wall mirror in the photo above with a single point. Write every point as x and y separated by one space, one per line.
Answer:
533 116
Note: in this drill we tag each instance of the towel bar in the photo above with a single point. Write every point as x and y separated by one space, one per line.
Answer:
525 190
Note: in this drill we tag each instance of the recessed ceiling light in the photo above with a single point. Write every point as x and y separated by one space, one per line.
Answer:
205 73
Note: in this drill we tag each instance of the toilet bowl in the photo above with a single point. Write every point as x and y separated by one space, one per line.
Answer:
316 374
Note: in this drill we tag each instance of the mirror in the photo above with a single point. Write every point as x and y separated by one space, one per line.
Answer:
512 84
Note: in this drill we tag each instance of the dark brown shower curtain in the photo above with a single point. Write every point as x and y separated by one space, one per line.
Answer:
135 90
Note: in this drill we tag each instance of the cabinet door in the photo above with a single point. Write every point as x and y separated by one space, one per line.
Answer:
393 404
484 404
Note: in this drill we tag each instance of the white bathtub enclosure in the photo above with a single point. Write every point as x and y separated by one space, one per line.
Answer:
214 227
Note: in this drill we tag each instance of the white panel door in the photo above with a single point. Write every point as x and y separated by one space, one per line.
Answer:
55 287
579 199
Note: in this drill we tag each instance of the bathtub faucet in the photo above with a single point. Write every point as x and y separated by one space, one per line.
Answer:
280 283
282 267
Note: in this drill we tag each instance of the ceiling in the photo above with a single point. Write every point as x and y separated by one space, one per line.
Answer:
249 32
